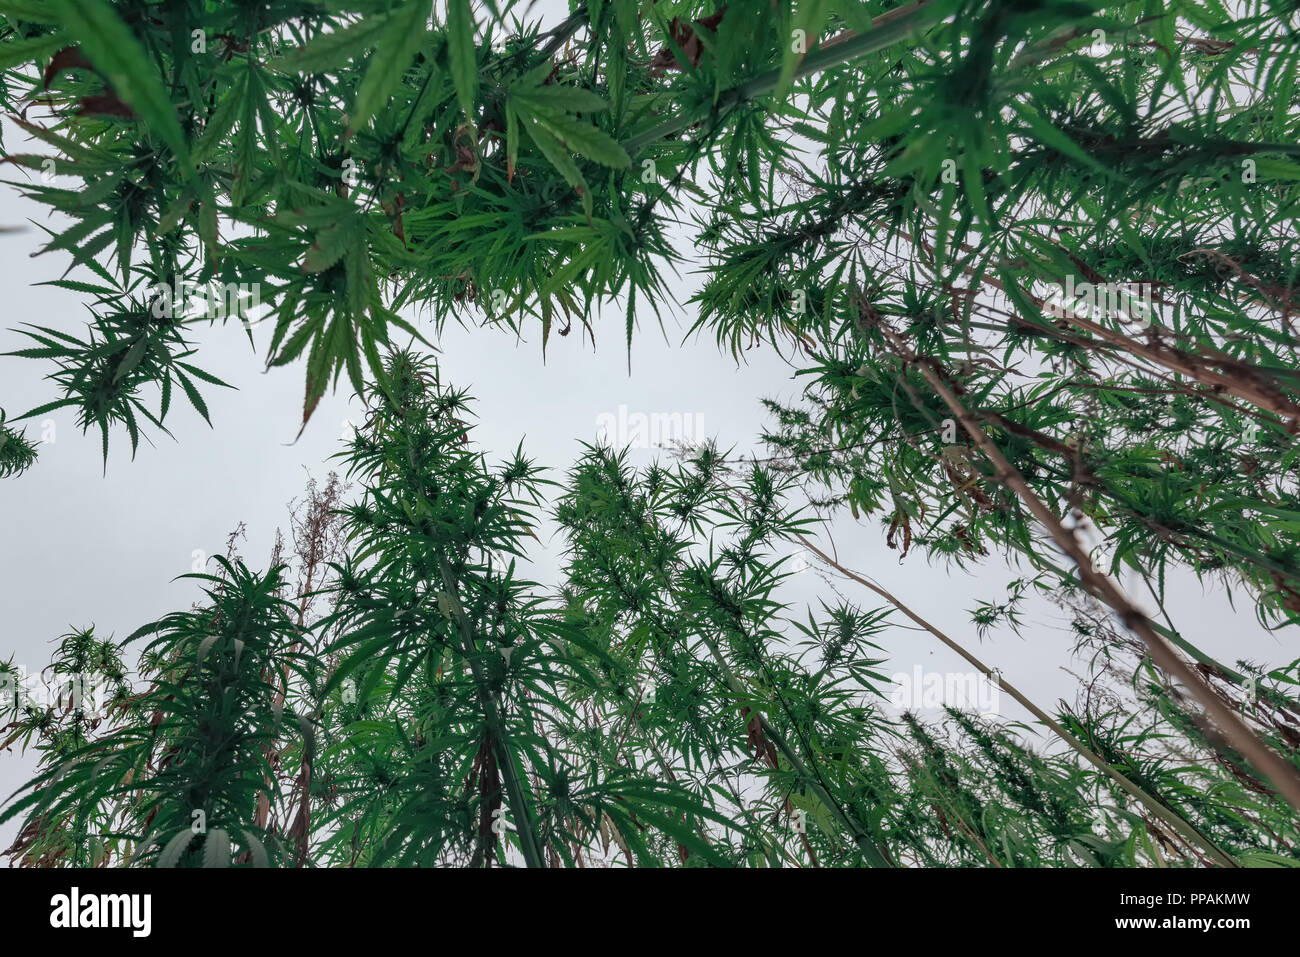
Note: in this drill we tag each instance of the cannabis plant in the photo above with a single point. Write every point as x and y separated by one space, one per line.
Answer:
1034 263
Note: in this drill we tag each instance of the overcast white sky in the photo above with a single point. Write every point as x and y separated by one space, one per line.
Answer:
81 547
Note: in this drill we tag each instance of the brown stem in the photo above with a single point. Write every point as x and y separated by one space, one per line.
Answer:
1152 804
1280 773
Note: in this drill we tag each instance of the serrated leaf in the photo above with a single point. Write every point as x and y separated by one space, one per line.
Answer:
329 246
15 53
808 21
256 850
585 140
192 394
462 53
216 849
558 157
171 853
222 119
561 99
395 49
333 49
111 46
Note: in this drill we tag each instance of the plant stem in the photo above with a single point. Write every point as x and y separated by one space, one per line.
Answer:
887 32
528 840
875 857
1183 827
1281 773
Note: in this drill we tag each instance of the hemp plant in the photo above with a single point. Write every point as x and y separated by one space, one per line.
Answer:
1034 262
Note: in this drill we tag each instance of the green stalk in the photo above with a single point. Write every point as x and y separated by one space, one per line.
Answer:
528 840
1175 821
1176 639
874 856
566 29
872 41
